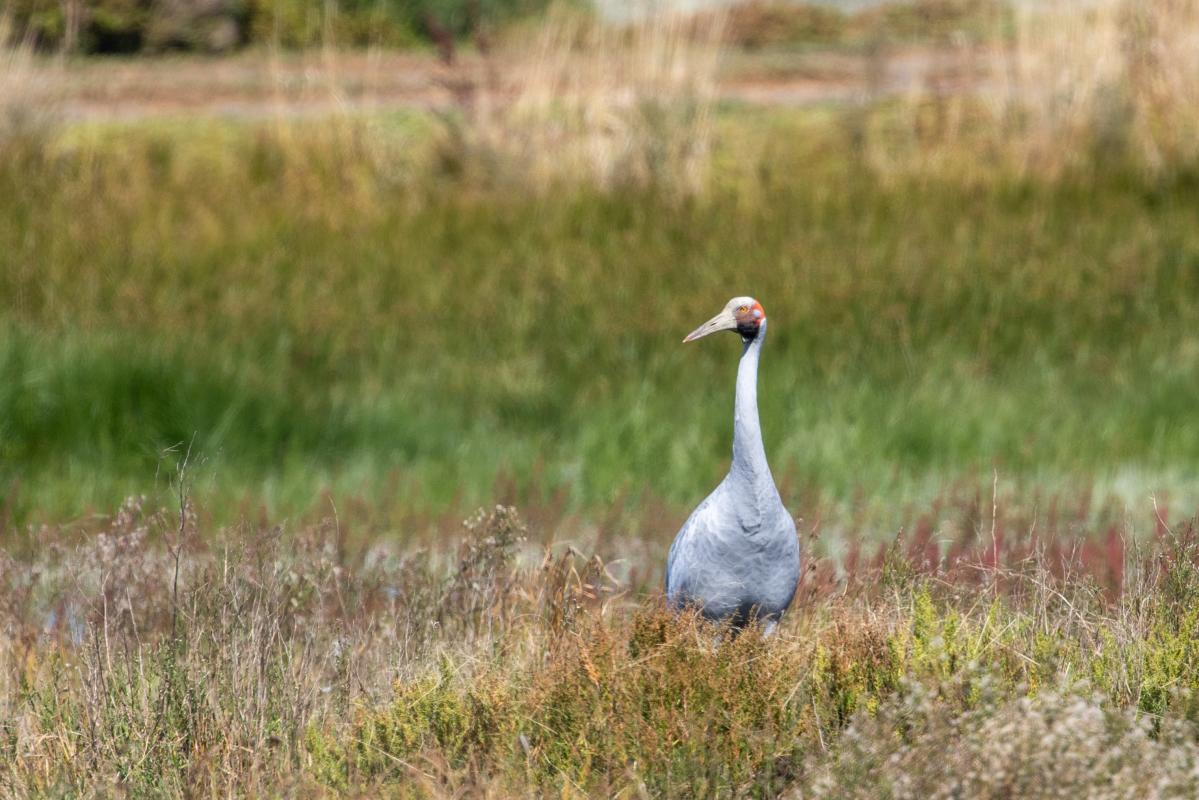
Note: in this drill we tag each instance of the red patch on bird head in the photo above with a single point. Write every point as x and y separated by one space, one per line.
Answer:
749 320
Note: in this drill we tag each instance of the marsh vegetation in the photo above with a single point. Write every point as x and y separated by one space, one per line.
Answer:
256 369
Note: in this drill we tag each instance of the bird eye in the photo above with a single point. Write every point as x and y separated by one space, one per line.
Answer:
743 309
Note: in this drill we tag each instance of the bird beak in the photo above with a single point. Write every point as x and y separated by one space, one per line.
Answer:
724 321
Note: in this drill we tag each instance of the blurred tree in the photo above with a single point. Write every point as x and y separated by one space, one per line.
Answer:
44 22
127 26
207 25
117 26
93 26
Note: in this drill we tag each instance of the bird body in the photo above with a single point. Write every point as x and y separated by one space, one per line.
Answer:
737 556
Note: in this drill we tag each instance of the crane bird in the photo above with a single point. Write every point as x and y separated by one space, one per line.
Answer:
737 556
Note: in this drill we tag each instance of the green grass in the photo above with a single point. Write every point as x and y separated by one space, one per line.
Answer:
322 313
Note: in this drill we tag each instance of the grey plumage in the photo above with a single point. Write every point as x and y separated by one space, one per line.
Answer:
737 556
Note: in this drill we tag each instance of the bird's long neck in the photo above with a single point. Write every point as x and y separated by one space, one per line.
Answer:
749 454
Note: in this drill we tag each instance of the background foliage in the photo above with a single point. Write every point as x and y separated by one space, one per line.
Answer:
129 26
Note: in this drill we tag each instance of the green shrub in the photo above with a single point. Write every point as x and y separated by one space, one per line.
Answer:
436 714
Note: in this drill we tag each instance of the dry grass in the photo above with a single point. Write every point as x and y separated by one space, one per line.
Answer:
1052 746
1122 73
1052 89
317 663
26 107
986 90
993 91
579 101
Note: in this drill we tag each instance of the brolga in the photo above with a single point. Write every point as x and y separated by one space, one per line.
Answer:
737 556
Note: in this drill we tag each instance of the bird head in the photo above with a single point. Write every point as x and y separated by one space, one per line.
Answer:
742 314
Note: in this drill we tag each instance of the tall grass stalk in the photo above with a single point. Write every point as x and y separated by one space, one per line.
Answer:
26 109
1054 88
600 104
